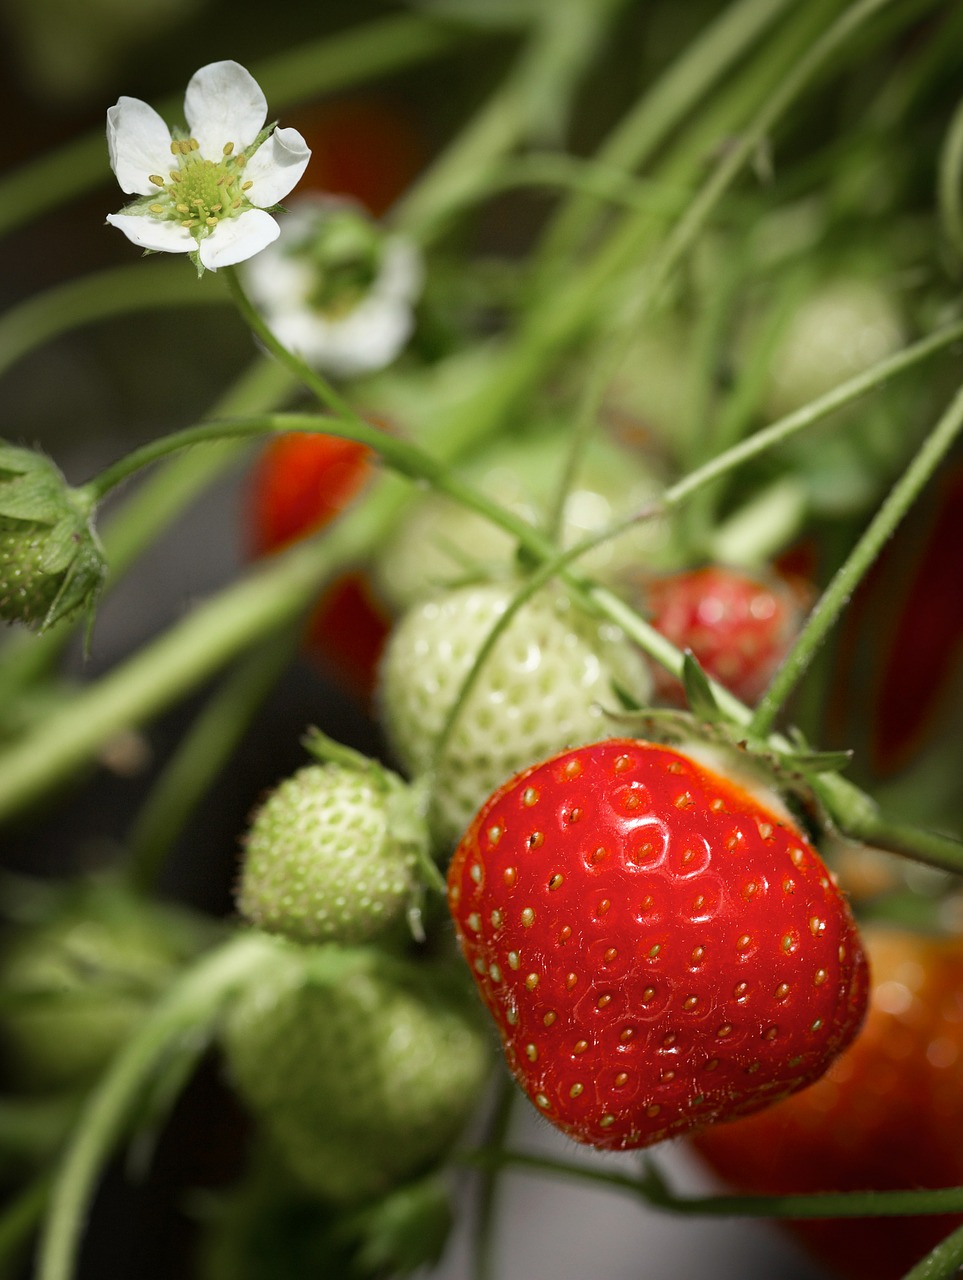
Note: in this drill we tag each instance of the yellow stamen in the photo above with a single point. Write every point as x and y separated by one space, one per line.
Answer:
228 148
157 180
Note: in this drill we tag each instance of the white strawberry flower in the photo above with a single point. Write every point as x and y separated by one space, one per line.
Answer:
335 289
207 191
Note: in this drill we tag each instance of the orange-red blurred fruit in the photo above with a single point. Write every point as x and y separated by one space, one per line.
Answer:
888 1114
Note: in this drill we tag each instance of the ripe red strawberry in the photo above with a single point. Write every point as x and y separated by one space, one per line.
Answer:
886 1115
659 948
739 626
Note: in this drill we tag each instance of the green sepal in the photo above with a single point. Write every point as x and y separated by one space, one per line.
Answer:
698 691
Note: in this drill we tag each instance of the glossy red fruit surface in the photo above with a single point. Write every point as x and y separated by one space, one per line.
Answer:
737 625
658 949
887 1115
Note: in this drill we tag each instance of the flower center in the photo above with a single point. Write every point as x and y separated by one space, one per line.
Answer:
345 253
198 193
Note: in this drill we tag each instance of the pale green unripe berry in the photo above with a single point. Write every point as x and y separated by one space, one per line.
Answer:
332 855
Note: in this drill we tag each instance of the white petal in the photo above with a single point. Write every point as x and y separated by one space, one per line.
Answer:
402 272
238 238
224 103
276 167
151 233
276 281
139 143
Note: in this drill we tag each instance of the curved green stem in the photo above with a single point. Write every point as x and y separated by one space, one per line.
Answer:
800 419
942 1263
686 82
311 69
191 1004
851 572
159 500
652 1189
188 438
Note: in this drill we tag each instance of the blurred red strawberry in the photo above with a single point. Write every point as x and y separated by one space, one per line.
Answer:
926 645
886 1116
367 148
301 483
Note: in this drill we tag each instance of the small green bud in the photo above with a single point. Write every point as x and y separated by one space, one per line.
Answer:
51 563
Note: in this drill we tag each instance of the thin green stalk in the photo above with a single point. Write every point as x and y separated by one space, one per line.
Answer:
942 1263
562 312
193 649
651 1188
130 530
846 579
202 755
312 69
99 296
684 85
191 1004
800 419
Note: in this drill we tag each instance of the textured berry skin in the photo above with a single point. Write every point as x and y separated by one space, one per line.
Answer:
739 627
545 685
361 1078
887 1114
331 855
28 591
658 950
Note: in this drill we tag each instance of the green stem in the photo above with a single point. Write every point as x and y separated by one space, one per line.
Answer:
800 419
313 68
202 756
836 596
163 671
117 291
188 438
653 1190
942 1263
191 1004
686 83
157 502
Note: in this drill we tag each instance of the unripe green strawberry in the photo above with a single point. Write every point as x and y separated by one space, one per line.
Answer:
441 541
546 684
51 565
843 327
332 854
362 1069
78 983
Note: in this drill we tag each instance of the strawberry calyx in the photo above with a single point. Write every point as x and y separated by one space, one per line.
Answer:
51 562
